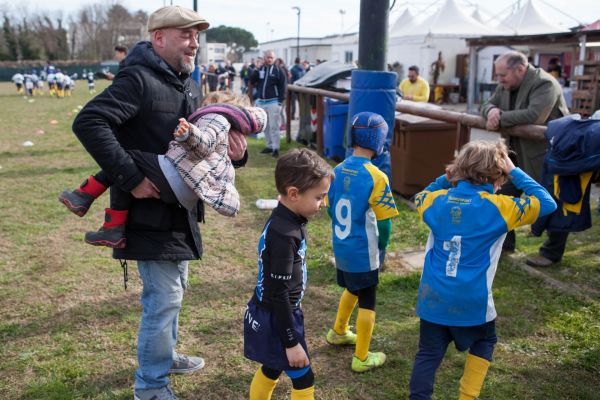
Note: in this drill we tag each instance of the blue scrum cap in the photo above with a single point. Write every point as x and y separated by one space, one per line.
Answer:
369 130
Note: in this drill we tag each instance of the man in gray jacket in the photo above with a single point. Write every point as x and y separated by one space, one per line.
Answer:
526 95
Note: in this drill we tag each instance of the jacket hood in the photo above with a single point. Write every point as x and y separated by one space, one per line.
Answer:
143 54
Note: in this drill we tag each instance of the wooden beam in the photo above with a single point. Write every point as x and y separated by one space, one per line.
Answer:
535 132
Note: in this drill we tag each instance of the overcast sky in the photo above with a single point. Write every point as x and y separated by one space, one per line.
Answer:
275 19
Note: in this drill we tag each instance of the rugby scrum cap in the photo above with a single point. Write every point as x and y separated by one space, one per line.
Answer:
369 130
176 17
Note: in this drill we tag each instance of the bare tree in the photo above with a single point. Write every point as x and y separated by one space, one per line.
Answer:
91 28
52 36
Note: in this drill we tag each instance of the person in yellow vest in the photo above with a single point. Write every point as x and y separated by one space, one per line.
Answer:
414 87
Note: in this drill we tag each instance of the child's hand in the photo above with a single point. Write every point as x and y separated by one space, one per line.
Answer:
297 356
507 165
182 128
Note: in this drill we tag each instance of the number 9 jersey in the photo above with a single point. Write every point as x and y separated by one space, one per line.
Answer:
359 196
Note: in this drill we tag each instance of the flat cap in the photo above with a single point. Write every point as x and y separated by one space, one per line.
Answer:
176 17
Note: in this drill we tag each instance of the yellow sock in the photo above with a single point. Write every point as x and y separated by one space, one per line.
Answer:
262 387
304 394
347 303
365 321
472 380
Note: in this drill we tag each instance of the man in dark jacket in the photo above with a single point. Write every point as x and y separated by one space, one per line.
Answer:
526 95
297 72
120 54
271 83
140 110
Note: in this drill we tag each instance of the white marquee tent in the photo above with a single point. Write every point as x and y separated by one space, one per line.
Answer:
443 31
404 23
529 20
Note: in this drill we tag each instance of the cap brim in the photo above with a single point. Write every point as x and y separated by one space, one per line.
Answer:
202 25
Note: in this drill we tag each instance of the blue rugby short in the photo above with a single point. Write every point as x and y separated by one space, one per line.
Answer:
262 342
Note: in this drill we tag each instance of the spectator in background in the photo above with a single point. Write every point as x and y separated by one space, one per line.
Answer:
231 72
306 65
211 78
554 68
119 56
245 77
526 95
281 64
296 72
270 82
414 87
222 75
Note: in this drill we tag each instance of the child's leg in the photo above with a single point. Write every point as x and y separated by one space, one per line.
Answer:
476 367
363 359
433 342
303 383
341 334
263 383
79 200
112 232
365 321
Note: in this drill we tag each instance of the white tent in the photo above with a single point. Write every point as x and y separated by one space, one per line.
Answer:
476 15
452 20
404 23
529 20
443 31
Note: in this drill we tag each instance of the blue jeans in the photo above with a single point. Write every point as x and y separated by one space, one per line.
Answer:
433 342
163 285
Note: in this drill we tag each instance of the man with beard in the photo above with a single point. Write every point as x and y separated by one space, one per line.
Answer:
414 87
526 95
138 112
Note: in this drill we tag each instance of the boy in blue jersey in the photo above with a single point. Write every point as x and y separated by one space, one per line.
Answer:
274 322
361 207
468 224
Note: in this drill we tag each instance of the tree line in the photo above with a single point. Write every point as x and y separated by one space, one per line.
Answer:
90 34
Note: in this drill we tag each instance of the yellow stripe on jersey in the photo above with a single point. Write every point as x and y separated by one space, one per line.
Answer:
516 211
425 199
381 199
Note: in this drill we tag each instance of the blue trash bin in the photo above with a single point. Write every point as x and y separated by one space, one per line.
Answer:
334 128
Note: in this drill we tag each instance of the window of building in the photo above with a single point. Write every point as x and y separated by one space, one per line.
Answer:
348 57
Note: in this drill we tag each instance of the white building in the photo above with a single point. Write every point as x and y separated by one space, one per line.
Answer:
216 53
310 49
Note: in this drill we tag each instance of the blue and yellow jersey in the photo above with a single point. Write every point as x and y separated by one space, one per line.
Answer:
359 196
468 225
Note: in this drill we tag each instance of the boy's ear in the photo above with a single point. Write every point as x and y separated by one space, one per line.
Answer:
292 192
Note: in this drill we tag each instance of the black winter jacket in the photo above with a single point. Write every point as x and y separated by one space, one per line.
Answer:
270 82
140 110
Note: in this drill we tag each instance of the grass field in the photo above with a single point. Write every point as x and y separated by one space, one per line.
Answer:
68 328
